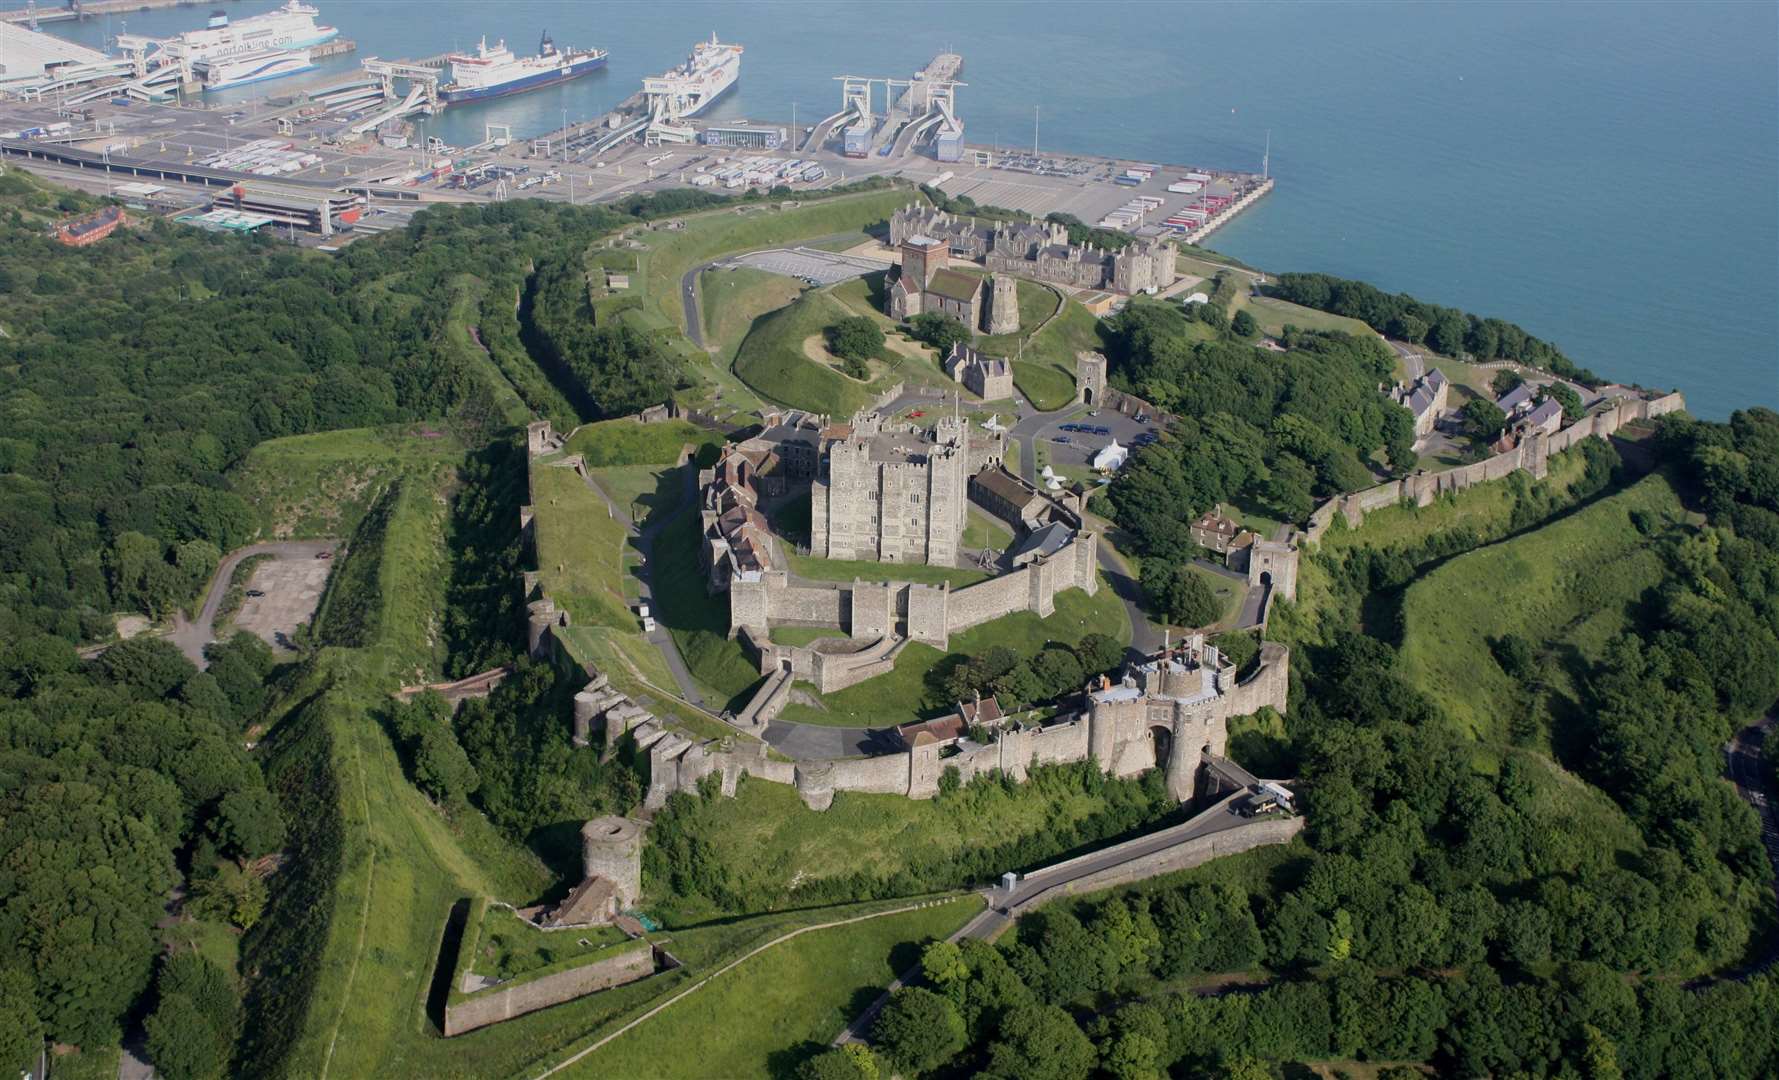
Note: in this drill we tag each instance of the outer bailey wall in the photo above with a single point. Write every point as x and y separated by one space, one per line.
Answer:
493 1006
988 600
1531 455
1269 686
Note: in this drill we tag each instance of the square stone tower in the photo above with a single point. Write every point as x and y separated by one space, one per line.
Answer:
922 257
1090 377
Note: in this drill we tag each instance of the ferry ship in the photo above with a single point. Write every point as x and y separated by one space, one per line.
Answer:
495 72
222 72
291 26
707 74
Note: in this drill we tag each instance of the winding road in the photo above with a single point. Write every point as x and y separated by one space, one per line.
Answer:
192 636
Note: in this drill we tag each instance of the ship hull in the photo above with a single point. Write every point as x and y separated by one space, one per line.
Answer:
519 86
713 99
276 74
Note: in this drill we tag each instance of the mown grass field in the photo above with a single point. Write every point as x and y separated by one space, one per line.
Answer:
730 301
1566 588
903 695
779 1007
319 486
1046 372
582 550
1037 302
671 252
626 442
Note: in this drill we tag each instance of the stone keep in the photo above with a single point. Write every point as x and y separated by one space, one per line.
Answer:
611 848
1003 305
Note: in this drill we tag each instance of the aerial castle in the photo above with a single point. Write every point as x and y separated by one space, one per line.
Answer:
1034 249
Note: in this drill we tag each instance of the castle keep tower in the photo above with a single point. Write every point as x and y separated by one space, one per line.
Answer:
1003 305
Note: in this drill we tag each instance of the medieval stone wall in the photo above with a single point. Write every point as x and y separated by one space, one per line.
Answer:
1531 456
493 1005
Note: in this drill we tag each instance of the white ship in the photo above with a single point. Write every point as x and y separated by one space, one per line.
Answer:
222 72
689 89
291 26
494 72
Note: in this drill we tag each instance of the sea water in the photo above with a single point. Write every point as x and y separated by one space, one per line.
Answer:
1605 175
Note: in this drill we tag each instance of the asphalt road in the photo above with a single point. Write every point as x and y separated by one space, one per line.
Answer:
1746 770
191 637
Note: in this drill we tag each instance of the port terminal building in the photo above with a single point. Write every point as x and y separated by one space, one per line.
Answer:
743 137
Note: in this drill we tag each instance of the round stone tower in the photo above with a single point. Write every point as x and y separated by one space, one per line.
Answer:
611 848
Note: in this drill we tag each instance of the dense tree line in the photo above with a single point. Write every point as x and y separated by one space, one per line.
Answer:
121 778
1444 330
1287 429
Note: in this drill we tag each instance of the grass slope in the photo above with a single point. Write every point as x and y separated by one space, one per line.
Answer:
1565 588
773 363
583 552
781 1006
730 301
627 442
311 486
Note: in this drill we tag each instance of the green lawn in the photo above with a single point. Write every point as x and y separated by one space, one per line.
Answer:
902 695
1567 588
983 529
508 946
730 301
869 570
581 549
1044 386
766 842
780 1006
627 442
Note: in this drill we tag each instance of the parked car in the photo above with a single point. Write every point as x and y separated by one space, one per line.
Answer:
324 554
256 592
1062 438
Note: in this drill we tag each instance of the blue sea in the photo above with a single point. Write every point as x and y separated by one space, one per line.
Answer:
1604 174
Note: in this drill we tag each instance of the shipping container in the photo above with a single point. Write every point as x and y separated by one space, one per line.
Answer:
1202 178
1127 181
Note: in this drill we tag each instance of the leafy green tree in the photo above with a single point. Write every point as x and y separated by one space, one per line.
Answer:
942 964
1178 594
1039 1042
856 337
1484 419
183 1042
248 823
21 1031
1505 381
1099 653
441 767
150 667
1566 396
1289 487
1020 686
1243 325
918 1030
229 893
939 331
849 1062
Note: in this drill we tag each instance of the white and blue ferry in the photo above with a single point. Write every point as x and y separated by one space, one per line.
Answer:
495 72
